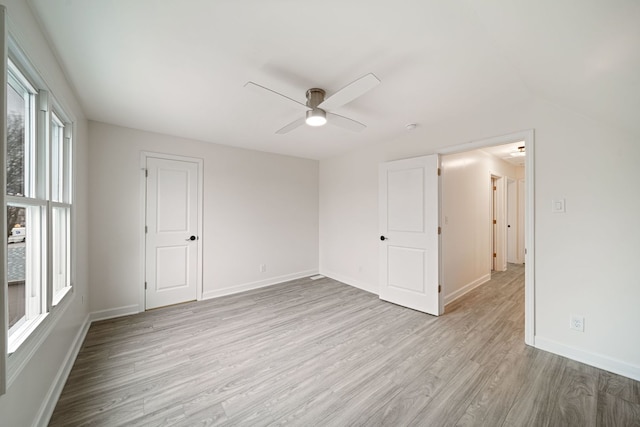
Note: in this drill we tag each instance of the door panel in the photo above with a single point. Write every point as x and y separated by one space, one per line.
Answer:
173 204
512 221
177 276
172 218
406 268
409 220
406 200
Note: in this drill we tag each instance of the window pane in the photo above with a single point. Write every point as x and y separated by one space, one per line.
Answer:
25 264
16 131
61 253
57 157
16 264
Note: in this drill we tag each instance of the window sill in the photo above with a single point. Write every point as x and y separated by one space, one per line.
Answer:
23 332
26 341
59 296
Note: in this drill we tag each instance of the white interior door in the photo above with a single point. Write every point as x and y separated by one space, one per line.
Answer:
512 221
409 193
494 224
171 232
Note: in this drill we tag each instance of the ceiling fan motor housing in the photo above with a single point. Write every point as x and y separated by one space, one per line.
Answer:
315 97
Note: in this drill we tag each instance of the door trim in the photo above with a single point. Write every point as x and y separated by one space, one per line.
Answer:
144 155
529 221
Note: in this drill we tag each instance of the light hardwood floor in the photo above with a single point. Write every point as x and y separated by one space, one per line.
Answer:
323 353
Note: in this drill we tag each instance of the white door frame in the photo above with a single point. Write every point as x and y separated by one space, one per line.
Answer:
144 155
529 271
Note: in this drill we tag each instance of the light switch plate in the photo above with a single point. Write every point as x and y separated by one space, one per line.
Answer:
557 206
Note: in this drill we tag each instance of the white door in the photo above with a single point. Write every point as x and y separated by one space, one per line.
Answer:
172 232
409 233
494 226
512 221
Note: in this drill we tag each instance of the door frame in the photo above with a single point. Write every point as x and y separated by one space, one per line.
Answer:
529 216
144 155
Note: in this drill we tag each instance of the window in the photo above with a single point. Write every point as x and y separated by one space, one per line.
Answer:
60 212
38 205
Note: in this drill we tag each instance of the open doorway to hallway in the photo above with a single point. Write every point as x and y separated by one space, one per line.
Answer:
508 194
483 215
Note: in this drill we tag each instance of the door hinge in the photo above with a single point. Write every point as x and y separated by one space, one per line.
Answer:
145 286
494 221
495 188
494 255
146 173
146 229
439 171
439 230
439 288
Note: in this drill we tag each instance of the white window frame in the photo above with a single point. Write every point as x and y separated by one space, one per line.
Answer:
26 342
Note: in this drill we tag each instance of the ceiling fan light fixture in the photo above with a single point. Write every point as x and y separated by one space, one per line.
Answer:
316 117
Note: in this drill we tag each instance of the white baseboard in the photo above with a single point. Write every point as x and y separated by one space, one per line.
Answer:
114 312
350 281
52 396
597 360
256 285
466 289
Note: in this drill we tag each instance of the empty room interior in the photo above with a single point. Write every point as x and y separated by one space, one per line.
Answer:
336 213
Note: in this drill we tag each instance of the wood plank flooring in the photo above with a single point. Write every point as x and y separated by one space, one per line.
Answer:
308 353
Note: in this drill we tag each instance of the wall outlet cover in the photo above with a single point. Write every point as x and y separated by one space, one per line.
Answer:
577 323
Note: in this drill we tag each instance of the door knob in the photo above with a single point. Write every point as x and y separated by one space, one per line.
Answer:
383 238
191 238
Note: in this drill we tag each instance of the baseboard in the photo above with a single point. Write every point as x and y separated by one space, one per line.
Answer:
350 281
466 289
114 312
256 285
597 360
52 396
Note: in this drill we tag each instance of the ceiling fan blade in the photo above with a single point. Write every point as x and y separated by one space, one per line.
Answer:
291 126
344 122
255 86
350 92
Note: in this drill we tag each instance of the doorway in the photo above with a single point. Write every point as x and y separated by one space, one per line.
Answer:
490 233
172 227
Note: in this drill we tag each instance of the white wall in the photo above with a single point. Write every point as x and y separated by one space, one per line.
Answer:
585 259
259 208
466 215
31 391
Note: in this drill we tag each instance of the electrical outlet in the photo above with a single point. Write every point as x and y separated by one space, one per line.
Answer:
576 323
263 268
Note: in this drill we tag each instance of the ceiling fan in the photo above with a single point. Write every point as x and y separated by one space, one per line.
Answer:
317 107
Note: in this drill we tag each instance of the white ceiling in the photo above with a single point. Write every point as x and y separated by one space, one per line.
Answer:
178 66
504 152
